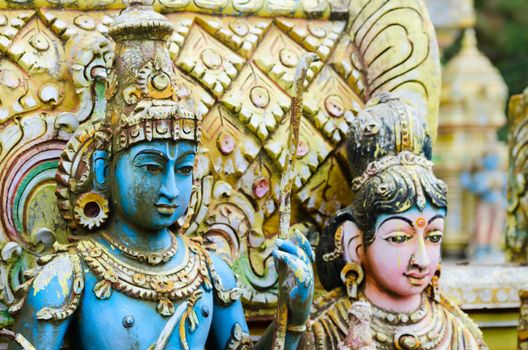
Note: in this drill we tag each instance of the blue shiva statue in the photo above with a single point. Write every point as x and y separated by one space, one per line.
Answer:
129 282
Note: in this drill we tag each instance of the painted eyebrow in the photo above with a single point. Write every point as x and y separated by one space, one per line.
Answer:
437 216
397 217
185 155
151 152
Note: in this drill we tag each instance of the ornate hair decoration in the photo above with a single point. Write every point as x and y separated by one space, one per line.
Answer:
404 158
386 127
142 88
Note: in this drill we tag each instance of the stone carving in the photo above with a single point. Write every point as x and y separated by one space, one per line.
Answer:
124 184
243 117
517 215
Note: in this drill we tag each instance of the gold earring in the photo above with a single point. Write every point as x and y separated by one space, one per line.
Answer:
435 284
352 276
184 221
91 210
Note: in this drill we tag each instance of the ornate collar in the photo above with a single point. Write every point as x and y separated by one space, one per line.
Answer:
164 287
409 331
152 258
400 318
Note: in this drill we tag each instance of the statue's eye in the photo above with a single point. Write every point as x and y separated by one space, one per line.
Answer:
186 170
153 168
398 239
434 237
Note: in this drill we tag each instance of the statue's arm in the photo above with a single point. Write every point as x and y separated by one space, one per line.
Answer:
229 329
50 302
228 317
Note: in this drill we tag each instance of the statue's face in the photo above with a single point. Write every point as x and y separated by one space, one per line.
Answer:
150 183
405 253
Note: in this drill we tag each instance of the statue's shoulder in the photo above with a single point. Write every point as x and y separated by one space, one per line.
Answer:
328 320
222 276
464 321
55 286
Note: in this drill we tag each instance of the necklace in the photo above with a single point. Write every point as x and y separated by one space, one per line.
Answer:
398 330
152 258
400 318
164 287
181 282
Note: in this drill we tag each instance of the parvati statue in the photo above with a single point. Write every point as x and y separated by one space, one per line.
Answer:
384 249
128 282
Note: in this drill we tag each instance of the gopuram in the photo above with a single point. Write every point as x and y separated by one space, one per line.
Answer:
175 173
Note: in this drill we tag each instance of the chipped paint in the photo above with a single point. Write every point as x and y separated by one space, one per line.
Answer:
61 268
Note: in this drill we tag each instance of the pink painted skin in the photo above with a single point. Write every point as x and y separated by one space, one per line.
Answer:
402 259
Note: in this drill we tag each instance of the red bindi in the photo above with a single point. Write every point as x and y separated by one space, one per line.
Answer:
420 222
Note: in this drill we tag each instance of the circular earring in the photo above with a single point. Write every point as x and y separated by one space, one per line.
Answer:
435 284
352 276
91 210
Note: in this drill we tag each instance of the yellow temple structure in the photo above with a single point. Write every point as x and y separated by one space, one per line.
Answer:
236 60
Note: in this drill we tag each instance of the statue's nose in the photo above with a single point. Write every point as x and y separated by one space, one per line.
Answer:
168 188
420 258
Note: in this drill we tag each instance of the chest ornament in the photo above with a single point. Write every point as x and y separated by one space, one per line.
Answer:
165 288
151 258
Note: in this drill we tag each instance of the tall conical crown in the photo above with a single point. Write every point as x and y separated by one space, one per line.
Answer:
386 127
143 104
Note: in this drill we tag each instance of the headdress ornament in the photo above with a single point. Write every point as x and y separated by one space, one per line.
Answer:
143 104
386 127
376 167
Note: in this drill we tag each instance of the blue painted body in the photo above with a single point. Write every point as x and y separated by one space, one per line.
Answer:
489 184
140 181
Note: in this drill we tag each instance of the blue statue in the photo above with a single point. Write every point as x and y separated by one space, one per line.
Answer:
488 183
130 282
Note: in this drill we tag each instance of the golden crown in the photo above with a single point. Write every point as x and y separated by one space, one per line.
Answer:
142 88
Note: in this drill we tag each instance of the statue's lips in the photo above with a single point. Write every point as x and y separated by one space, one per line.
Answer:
166 209
416 278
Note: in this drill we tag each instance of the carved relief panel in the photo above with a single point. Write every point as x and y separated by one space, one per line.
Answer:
237 71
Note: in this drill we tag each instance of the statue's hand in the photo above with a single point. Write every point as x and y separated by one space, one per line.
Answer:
293 260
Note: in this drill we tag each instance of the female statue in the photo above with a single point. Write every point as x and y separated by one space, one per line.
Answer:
130 283
384 249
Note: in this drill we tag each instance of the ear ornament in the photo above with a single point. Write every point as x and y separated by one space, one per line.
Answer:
352 276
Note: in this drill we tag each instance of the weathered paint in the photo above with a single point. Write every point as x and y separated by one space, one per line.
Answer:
60 268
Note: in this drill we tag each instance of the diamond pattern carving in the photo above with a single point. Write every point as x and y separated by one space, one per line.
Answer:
326 192
346 62
326 106
230 147
209 61
257 101
64 25
312 150
278 56
315 36
193 95
240 34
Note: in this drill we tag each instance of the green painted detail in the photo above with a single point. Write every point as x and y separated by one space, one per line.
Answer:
22 188
498 327
100 102
501 338
5 319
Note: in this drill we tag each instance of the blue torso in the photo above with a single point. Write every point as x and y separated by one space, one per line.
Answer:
123 322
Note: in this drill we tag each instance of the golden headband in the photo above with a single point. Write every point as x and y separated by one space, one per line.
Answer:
402 159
